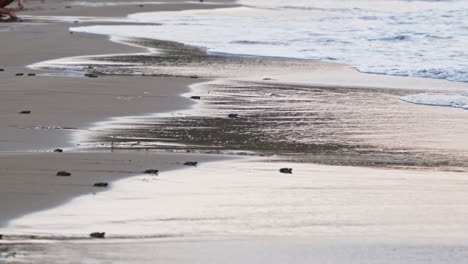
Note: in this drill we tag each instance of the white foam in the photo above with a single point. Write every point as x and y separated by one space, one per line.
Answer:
409 38
439 99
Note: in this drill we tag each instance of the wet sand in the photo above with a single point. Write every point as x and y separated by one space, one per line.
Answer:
63 108
60 105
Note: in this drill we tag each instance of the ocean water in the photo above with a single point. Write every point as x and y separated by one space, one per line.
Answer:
397 37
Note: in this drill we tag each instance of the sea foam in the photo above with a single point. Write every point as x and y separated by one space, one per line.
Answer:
439 99
396 37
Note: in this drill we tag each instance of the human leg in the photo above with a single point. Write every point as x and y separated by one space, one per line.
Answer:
5 11
4 3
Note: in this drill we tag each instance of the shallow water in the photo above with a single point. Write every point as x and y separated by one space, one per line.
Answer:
397 37
274 251
251 199
330 125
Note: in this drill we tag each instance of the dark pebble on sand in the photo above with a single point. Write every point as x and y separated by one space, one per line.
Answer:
151 171
63 173
19 74
58 150
286 170
191 163
90 75
25 112
101 184
195 97
97 235
233 115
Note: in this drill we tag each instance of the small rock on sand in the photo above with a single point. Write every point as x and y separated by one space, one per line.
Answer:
286 170
58 150
191 163
151 171
97 234
63 173
101 184
25 112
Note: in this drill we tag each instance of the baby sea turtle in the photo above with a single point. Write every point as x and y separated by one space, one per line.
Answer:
63 173
286 170
91 75
191 163
97 234
151 171
101 184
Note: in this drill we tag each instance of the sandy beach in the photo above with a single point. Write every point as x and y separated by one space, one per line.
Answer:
378 182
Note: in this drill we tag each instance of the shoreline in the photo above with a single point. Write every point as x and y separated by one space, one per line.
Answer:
385 96
57 109
121 45
31 175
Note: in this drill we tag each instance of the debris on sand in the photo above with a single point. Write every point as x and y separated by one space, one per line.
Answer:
63 173
97 234
101 184
286 170
191 163
151 171
25 112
